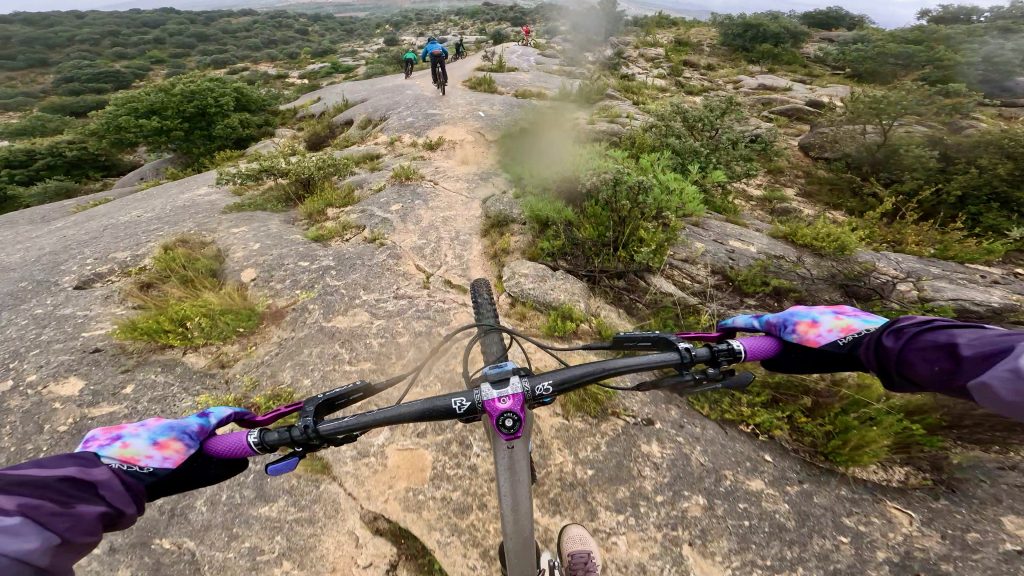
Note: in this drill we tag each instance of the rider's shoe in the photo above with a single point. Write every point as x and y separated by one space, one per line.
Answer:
578 552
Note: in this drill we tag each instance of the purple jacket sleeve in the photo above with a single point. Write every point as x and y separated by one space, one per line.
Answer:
54 511
970 361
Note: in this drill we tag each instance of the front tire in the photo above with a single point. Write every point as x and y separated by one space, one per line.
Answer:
492 344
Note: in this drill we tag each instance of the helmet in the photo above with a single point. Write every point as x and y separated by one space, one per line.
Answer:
431 39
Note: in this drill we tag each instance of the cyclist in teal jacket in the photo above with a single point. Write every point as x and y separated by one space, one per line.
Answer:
55 510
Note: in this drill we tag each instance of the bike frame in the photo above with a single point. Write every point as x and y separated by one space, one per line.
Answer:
513 476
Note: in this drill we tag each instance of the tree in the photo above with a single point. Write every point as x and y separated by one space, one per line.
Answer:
833 18
612 17
767 36
950 14
194 115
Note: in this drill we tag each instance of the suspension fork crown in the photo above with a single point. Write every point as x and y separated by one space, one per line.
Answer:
505 408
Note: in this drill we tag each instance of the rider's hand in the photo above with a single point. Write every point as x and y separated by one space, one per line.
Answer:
818 339
163 455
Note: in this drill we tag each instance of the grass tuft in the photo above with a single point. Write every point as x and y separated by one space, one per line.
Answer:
564 321
91 204
327 231
592 401
483 83
183 300
405 173
316 207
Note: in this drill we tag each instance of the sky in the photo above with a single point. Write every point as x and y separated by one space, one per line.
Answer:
889 13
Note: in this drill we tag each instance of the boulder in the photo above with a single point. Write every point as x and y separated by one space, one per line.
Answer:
652 54
1015 103
833 93
965 126
504 208
832 143
757 129
536 284
605 131
770 82
818 104
773 100
1010 113
152 171
837 36
795 112
264 147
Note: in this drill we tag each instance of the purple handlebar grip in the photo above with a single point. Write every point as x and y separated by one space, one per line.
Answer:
229 446
758 348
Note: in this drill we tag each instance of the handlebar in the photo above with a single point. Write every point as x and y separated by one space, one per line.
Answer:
466 405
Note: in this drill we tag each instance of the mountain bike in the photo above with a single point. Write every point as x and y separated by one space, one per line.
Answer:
527 41
439 71
409 65
500 394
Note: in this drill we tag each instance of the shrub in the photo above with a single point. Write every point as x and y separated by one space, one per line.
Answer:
833 18
761 35
17 104
822 236
849 421
499 65
528 94
758 279
36 125
75 106
47 191
712 136
70 158
483 83
192 115
622 214
185 302
301 173
564 321
498 36
391 39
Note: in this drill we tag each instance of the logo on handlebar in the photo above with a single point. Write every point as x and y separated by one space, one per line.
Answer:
460 405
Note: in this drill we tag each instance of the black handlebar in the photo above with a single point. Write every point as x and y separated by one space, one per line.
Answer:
467 405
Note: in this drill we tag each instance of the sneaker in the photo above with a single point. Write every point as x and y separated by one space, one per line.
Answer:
578 552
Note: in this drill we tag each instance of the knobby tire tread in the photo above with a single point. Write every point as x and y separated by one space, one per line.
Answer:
492 344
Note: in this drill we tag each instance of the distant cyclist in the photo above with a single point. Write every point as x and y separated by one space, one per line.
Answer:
526 34
437 54
410 59
460 48
55 510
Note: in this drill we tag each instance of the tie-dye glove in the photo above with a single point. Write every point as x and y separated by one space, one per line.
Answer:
163 455
818 339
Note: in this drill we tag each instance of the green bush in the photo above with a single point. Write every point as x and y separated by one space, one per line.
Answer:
327 231
74 106
761 35
192 115
406 173
822 236
498 36
17 104
36 125
849 421
564 321
46 191
713 136
302 173
833 18
623 213
759 279
391 39
70 158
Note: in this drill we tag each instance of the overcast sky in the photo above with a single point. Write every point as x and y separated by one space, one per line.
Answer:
888 13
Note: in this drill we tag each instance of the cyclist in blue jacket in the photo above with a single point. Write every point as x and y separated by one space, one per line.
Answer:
55 510
438 54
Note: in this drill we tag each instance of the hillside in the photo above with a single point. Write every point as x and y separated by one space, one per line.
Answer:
360 206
